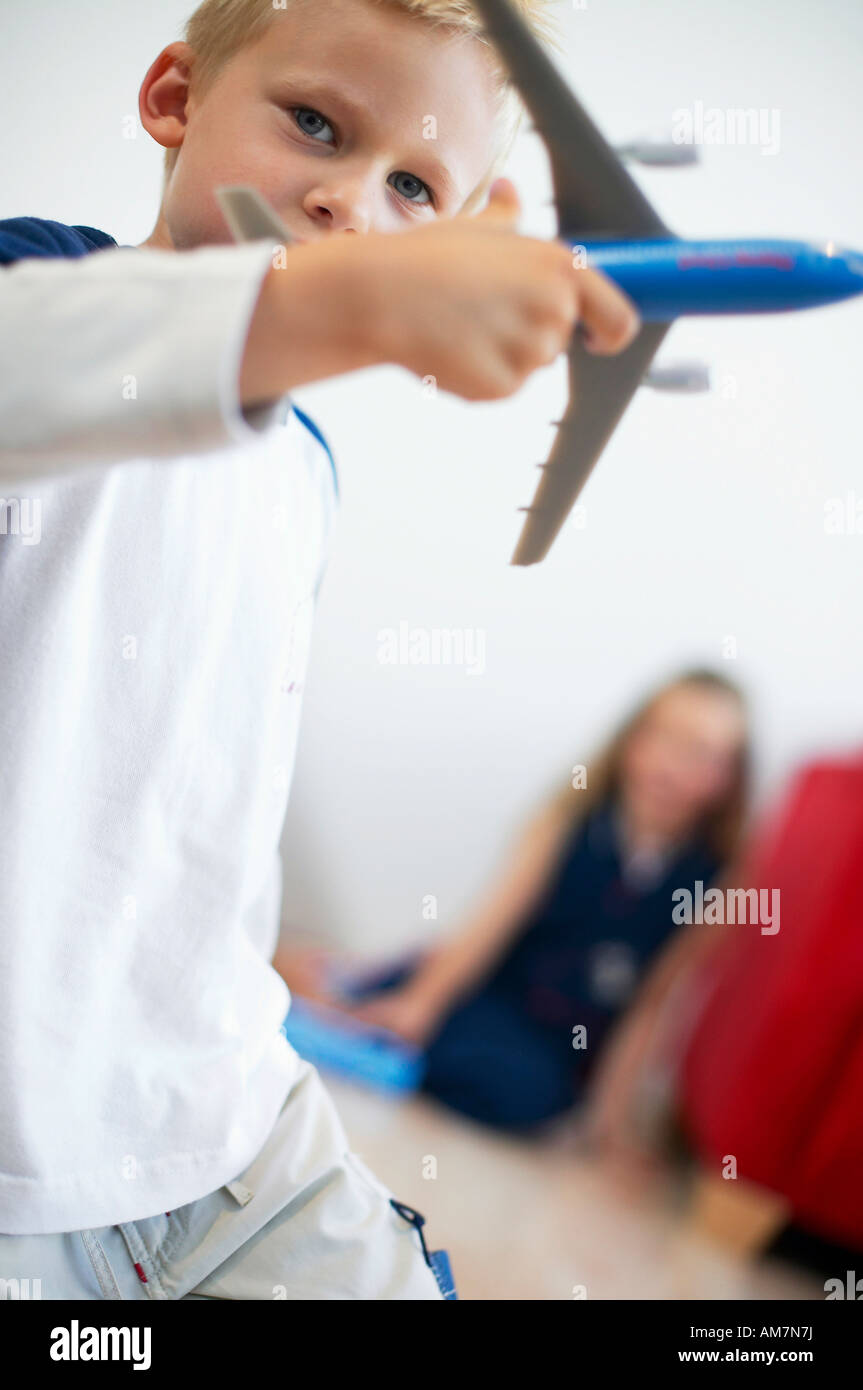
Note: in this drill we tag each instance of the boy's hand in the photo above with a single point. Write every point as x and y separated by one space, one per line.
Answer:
465 300
478 307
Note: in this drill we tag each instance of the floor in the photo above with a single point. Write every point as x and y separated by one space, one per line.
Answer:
523 1220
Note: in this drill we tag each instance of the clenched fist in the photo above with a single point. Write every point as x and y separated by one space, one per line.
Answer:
477 306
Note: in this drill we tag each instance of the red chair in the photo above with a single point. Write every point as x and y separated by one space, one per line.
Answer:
772 1073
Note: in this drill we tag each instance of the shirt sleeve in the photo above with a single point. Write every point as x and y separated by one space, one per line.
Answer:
126 354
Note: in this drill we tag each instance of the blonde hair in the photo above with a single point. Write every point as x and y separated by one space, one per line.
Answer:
220 29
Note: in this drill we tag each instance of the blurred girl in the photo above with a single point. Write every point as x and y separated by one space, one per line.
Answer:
512 1010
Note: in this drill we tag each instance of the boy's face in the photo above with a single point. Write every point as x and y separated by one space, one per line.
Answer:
347 116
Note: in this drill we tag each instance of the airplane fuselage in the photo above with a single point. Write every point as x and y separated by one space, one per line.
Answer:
667 278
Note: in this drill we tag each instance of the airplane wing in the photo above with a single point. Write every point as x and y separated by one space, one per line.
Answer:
596 199
249 215
595 195
600 389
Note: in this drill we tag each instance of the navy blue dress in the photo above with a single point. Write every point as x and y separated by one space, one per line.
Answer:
519 1050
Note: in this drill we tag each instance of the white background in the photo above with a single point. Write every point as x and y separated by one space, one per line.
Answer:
704 519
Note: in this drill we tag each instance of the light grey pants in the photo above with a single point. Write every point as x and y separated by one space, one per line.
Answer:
306 1220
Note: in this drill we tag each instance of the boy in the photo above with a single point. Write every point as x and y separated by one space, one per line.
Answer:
160 1139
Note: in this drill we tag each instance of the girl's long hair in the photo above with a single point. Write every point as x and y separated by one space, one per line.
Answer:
722 828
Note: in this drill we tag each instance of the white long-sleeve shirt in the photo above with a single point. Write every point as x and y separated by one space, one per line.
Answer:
160 554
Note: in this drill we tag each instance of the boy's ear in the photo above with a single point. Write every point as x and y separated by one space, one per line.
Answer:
164 95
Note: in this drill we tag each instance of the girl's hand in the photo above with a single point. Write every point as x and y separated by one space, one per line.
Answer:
403 1011
304 971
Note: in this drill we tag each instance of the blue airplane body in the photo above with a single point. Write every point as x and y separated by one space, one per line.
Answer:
671 277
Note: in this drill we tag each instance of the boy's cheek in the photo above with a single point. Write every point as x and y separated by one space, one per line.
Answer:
193 213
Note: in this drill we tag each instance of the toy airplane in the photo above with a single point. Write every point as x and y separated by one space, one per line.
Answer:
601 211
612 227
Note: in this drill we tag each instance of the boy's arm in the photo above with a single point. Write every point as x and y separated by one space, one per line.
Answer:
131 353
125 354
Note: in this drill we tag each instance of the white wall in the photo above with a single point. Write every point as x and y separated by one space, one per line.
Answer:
704 520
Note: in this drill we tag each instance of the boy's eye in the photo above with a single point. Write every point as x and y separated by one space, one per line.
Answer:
409 187
310 122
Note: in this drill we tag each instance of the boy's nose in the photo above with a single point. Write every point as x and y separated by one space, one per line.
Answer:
346 208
